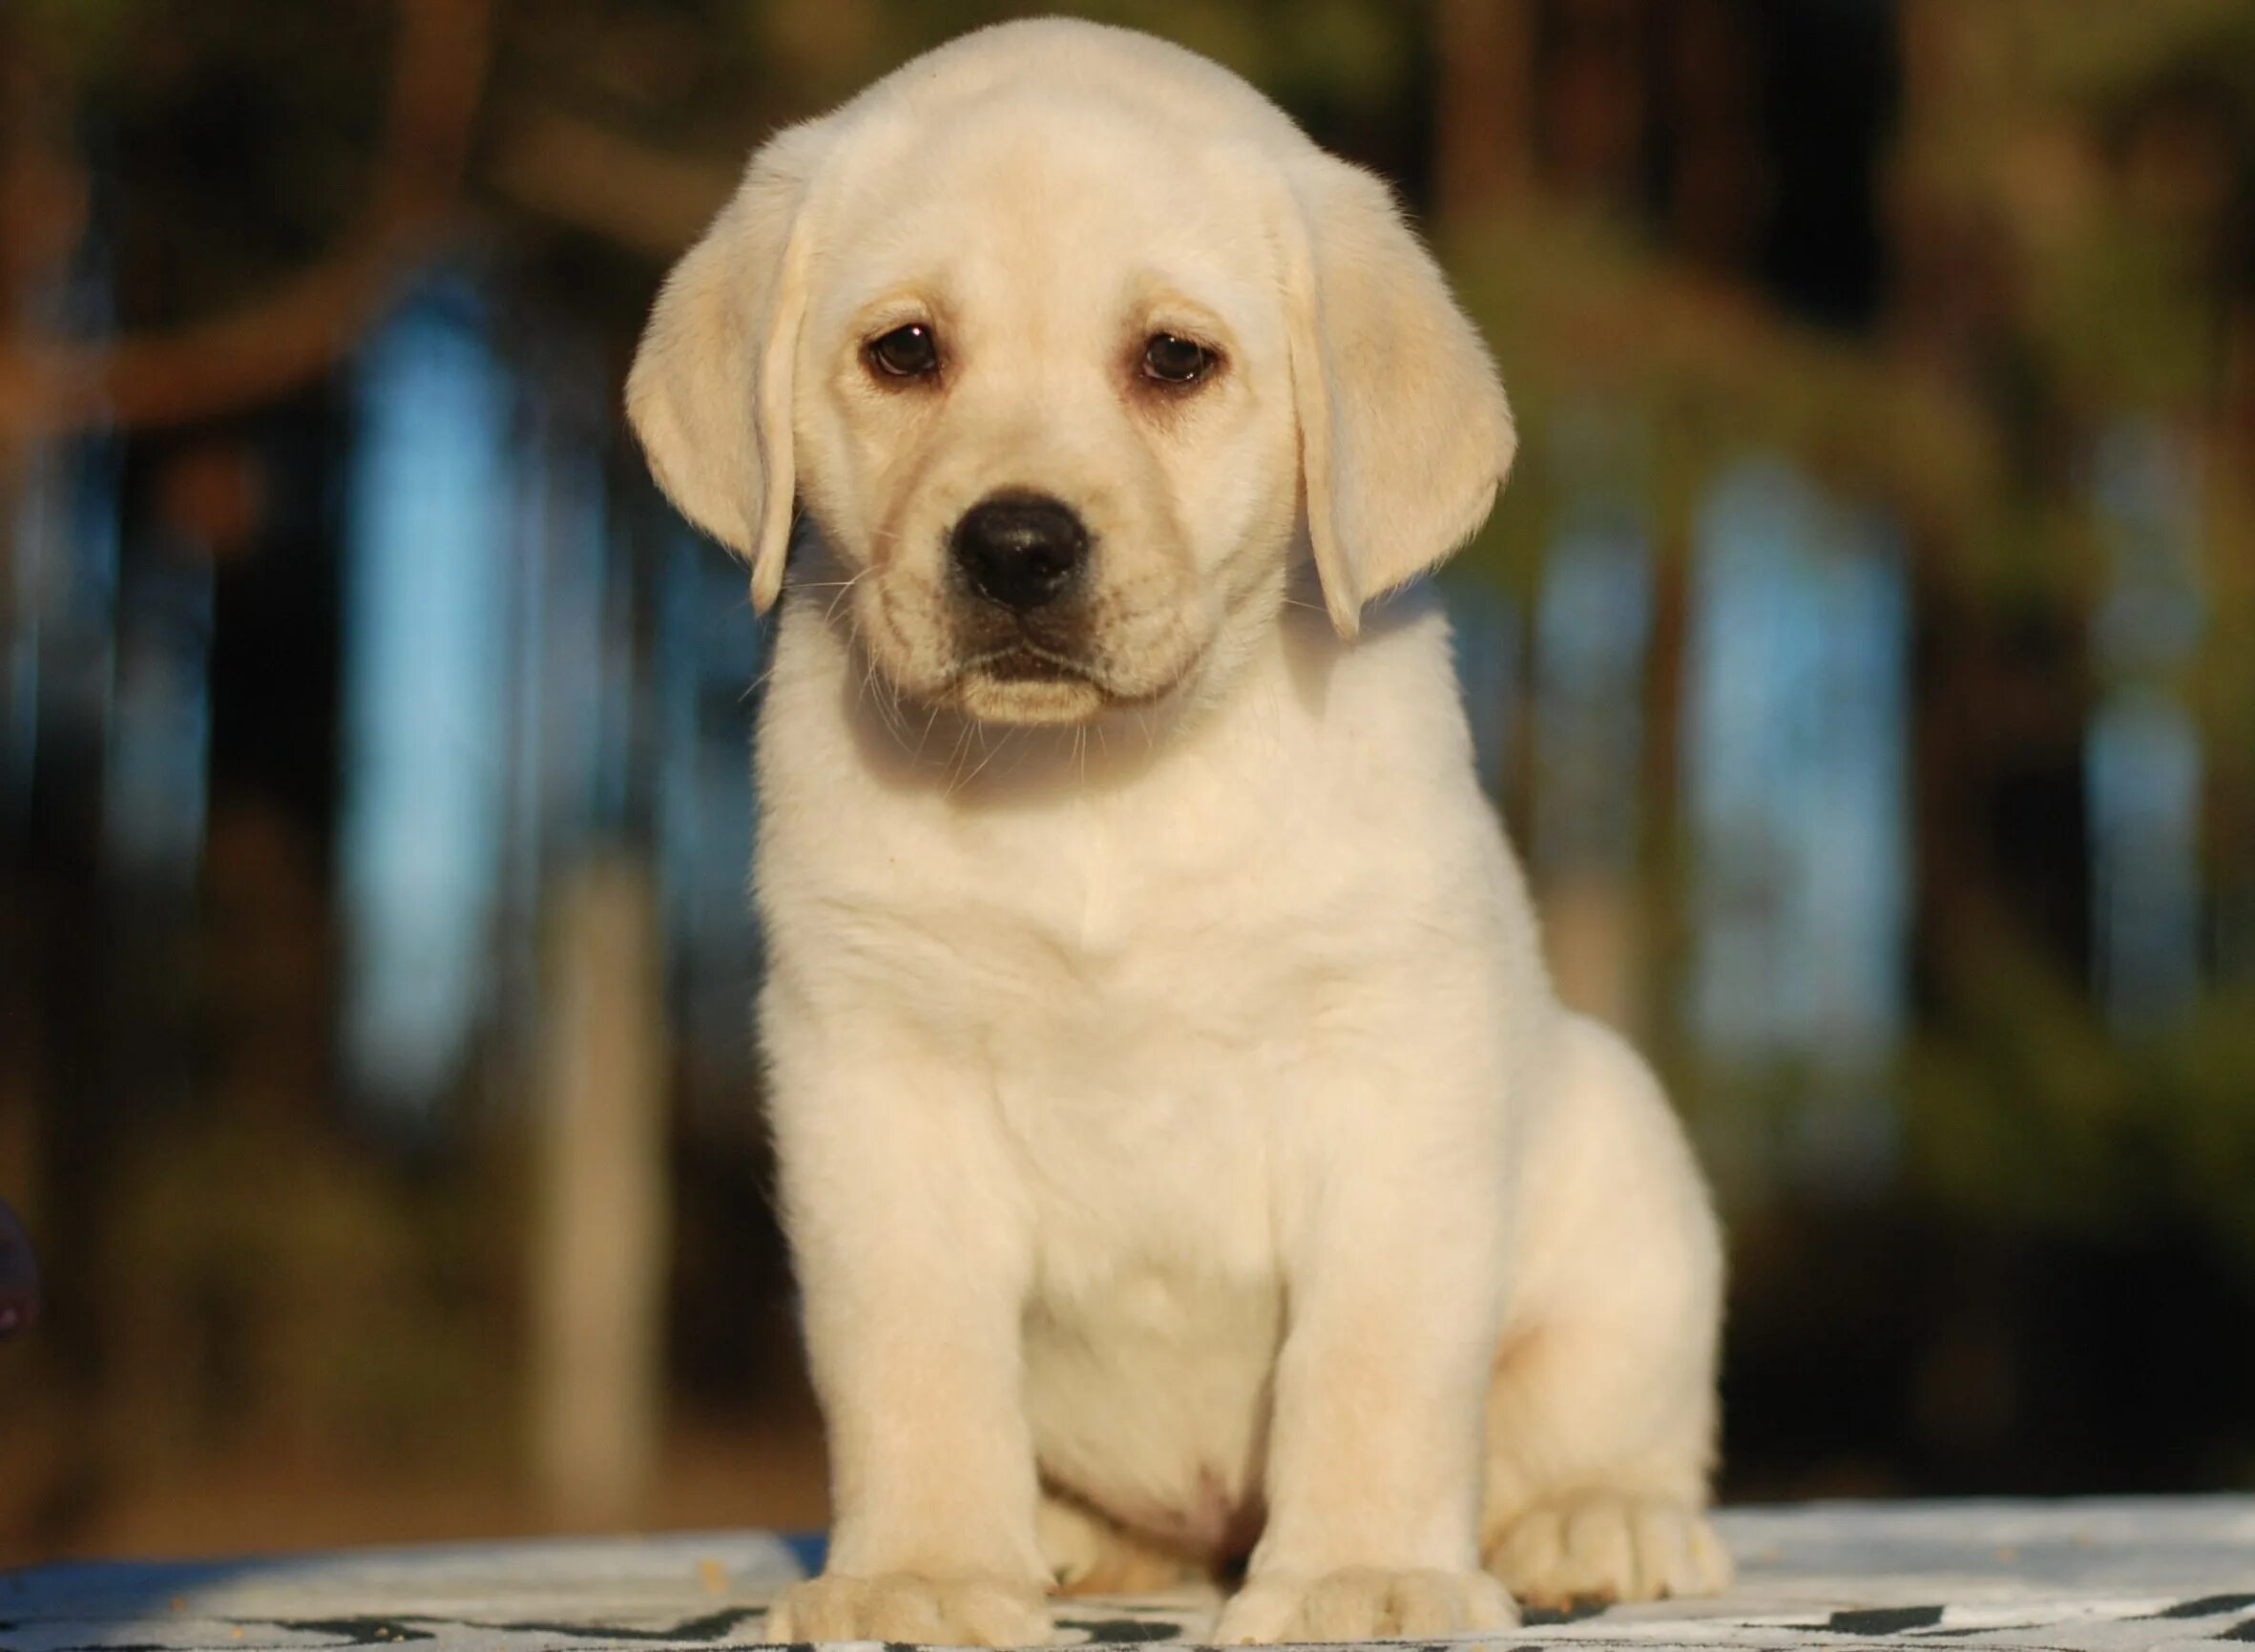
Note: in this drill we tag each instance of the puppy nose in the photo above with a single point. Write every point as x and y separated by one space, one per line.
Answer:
1020 549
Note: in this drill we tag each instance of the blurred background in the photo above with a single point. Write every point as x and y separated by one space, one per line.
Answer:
1862 656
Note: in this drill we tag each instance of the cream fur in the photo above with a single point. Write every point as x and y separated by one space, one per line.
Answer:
1181 1143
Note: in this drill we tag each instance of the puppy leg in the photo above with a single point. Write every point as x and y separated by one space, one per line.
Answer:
1393 1237
1601 1416
1089 1554
912 1264
1606 1520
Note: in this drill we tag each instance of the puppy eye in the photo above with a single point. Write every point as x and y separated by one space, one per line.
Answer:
1169 360
909 352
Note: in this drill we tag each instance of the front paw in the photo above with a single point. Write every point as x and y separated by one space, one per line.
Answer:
1363 1603
903 1606
1608 1546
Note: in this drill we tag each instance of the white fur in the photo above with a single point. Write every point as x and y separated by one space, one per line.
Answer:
1179 1140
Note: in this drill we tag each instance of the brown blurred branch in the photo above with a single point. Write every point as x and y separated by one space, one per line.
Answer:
609 185
303 327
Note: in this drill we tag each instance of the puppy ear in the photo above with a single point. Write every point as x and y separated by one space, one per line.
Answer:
1405 435
710 392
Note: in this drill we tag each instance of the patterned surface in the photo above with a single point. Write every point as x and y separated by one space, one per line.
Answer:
2106 1577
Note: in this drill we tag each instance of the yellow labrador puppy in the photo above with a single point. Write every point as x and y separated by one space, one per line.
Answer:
1185 1154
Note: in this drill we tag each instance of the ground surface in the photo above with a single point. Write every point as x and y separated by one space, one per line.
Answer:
2099 1576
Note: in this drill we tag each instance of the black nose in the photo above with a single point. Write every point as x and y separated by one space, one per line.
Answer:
1020 549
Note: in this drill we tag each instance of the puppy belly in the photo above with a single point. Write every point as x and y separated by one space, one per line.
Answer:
1150 1401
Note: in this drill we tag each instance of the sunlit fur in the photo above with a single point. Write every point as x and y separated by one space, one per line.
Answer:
1180 1144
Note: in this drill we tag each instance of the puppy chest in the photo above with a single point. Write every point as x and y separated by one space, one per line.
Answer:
1128 1020
1135 1150
1136 1092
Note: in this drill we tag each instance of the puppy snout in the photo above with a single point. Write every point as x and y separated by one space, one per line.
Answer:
1022 550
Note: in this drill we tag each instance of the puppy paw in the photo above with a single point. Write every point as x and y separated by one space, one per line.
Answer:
1608 1546
1363 1603
901 1606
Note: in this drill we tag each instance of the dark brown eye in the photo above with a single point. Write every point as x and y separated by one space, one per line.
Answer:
1169 360
909 352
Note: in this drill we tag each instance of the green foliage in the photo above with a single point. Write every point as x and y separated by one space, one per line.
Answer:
1321 53
83 33
2025 1112
2106 53
280 1290
1598 317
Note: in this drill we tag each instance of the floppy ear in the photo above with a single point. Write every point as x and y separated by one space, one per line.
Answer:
1405 435
710 392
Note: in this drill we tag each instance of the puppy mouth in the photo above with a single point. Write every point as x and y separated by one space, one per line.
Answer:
1030 663
1041 668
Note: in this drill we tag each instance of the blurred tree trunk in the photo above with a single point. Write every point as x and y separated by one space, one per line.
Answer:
1667 862
1484 100
1716 186
1594 92
56 980
1591 106
2002 860
602 1230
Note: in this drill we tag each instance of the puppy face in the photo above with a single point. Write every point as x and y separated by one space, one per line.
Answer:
1044 413
1070 342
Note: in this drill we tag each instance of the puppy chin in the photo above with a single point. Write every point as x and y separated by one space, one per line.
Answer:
1029 701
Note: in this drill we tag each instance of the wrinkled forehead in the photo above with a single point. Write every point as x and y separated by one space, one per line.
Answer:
1040 214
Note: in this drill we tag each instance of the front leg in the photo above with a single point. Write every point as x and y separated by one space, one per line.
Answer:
912 1262
1395 1244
